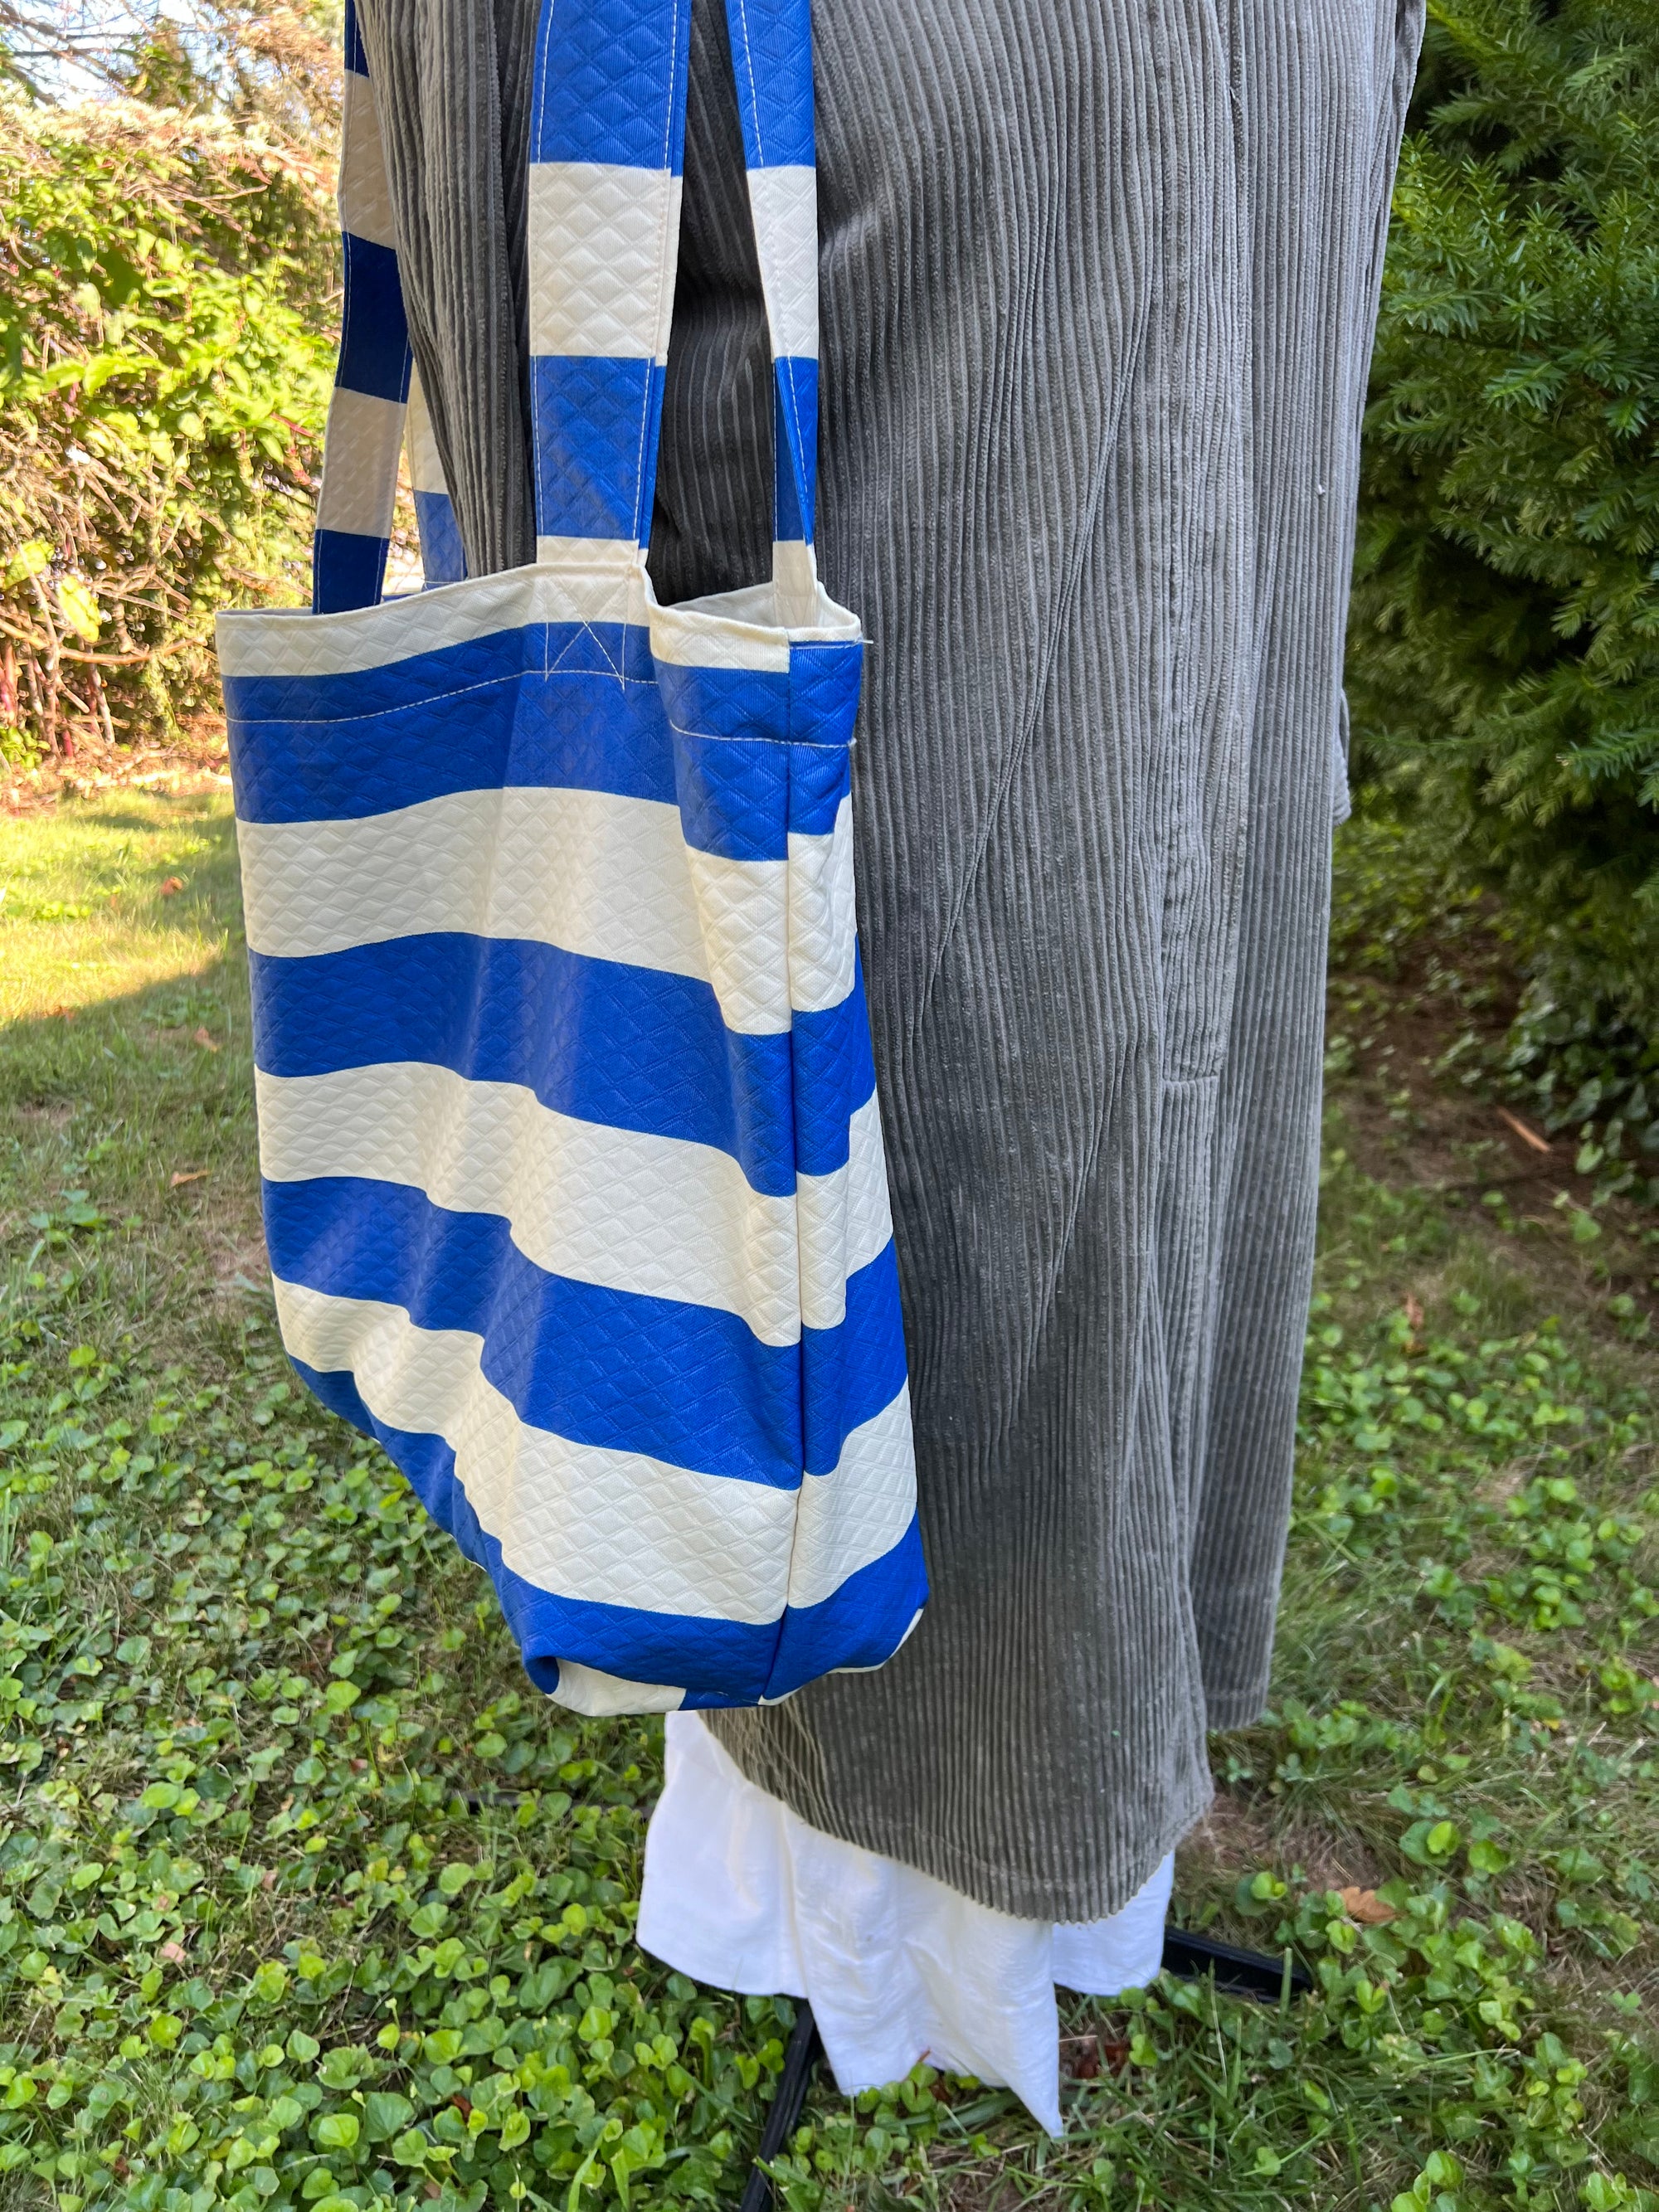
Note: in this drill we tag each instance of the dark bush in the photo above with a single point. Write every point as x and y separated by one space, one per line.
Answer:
1504 653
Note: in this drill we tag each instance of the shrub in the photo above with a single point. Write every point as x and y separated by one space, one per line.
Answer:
164 354
1504 653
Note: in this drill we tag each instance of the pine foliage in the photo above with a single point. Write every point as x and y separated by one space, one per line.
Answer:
1504 659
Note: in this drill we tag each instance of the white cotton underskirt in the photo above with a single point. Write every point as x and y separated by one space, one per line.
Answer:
898 1967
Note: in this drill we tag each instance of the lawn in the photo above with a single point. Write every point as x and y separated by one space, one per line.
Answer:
307 1899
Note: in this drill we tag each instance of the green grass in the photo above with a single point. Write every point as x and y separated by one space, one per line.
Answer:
82 906
305 1897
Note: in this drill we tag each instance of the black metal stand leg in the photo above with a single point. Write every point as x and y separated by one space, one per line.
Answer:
784 2116
1189 1958
1240 1973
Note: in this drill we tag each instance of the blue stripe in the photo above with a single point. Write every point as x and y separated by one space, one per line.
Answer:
689 1385
374 355
339 748
835 1072
347 570
795 433
610 82
849 1374
816 701
306 731
719 1663
824 682
772 63
860 1624
627 1047
443 558
729 1658
594 436
355 56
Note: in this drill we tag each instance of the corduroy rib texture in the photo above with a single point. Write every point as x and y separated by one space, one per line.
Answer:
453 82
1099 281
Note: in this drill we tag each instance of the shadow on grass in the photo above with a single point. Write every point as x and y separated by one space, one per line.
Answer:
143 1103
150 1062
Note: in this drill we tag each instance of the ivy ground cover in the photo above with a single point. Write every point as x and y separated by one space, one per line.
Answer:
306 1899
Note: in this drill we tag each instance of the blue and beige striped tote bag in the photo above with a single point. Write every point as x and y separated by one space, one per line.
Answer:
573 1174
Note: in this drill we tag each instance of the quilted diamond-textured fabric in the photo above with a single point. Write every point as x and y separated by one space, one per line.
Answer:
573 1179
373 383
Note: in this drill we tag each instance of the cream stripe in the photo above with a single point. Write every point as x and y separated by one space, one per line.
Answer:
585 1690
729 630
726 628
784 205
608 1527
823 916
290 641
861 1511
652 1216
605 878
360 465
593 580
365 197
800 599
844 1220
600 260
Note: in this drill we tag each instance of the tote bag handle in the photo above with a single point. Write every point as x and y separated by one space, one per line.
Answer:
364 433
606 154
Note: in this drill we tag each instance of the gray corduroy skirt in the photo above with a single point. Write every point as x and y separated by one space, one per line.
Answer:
1098 280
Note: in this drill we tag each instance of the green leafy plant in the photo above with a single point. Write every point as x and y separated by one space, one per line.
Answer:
165 347
1504 650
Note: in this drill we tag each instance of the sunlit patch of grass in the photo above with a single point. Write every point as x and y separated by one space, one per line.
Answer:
125 1051
100 898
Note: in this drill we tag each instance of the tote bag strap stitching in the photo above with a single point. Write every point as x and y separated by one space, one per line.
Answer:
737 17
667 261
627 501
342 578
575 431
339 582
802 453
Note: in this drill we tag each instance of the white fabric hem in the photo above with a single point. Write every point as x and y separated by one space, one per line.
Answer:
742 1895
